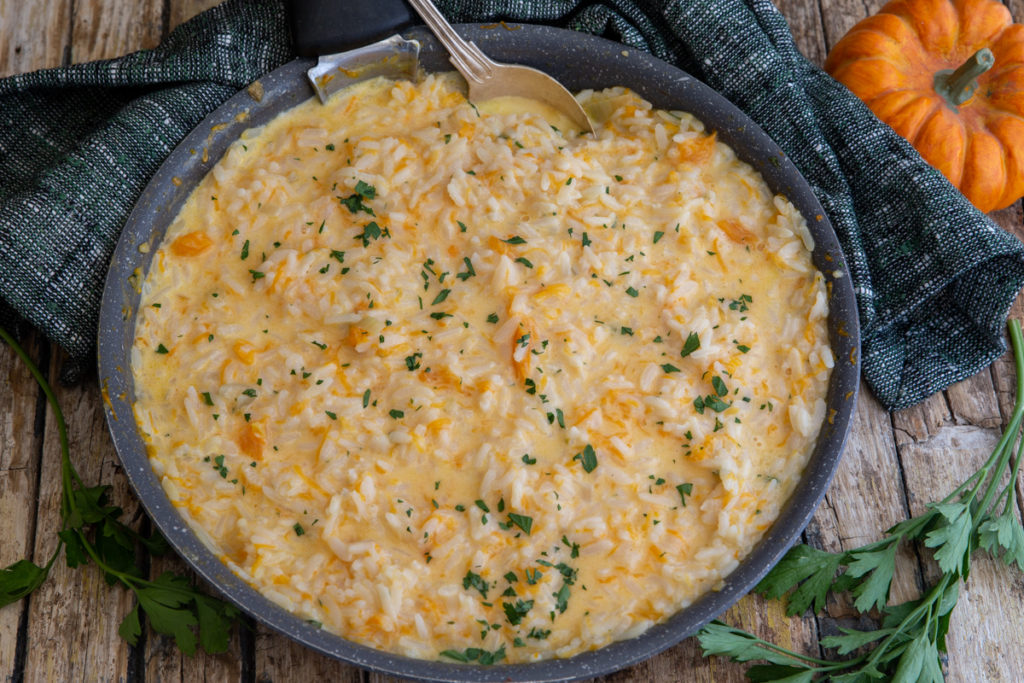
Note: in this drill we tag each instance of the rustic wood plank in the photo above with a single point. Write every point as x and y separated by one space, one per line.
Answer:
921 421
102 29
33 35
183 10
839 16
280 659
20 443
805 22
73 618
974 401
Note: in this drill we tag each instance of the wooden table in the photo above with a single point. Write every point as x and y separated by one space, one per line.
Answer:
67 631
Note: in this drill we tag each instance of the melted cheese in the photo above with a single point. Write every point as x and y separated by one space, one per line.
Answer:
410 369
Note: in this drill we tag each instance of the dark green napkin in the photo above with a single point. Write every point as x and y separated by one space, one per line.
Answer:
934 277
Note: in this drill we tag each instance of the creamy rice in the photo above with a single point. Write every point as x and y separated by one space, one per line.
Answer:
463 386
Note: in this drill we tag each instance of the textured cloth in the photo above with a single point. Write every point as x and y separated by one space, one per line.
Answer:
934 278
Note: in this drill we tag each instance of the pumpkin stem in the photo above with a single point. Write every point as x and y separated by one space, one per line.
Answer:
956 87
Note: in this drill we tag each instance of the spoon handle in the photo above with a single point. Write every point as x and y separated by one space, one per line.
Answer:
473 64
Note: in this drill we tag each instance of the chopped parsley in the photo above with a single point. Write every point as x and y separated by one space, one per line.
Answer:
522 521
475 654
692 344
472 580
587 457
515 612
684 491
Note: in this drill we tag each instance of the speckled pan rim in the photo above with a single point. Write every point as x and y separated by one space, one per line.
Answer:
580 61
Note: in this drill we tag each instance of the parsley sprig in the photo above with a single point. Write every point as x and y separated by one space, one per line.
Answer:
977 515
91 531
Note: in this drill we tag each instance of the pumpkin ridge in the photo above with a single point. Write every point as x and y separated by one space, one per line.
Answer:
942 141
1008 129
988 20
934 22
900 125
869 78
985 171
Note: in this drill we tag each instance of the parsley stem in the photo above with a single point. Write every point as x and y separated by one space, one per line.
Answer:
67 470
1011 486
925 607
1013 429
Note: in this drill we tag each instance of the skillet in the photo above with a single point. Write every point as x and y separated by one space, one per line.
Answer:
580 61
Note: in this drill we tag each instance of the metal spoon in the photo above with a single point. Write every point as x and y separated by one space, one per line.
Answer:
488 79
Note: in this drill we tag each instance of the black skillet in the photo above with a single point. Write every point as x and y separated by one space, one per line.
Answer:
579 61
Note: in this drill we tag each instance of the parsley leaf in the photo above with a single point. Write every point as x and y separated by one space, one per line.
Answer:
587 457
515 612
522 521
474 580
692 344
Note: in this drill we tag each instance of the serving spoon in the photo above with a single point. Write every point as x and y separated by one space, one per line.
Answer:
488 79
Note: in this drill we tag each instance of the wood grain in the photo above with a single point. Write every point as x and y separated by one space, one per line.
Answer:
101 29
73 618
33 35
20 442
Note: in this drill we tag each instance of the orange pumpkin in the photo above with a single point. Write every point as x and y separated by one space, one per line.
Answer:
947 75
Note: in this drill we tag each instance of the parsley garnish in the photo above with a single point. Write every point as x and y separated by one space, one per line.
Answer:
469 272
354 202
684 491
472 580
522 521
740 304
692 344
515 612
371 231
587 457
475 654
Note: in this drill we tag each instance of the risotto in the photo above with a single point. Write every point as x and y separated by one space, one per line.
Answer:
458 385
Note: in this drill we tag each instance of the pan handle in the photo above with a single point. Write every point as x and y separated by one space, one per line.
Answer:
321 27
